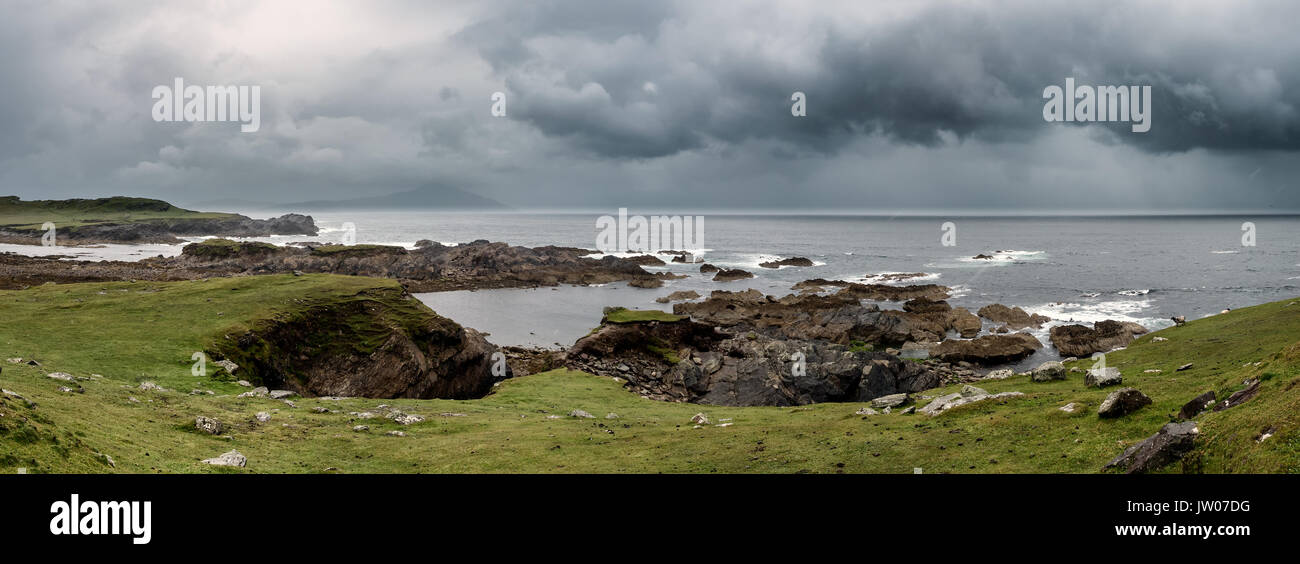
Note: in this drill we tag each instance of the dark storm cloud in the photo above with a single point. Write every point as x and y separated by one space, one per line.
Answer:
911 105
974 69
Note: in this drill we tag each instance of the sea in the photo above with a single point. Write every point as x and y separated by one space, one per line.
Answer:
1072 269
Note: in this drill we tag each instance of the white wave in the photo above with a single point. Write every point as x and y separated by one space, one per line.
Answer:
958 291
1063 313
1224 252
1133 292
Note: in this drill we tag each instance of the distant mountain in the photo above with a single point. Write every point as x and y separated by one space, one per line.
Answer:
431 197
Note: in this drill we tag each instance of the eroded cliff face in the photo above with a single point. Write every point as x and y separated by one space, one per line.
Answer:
377 344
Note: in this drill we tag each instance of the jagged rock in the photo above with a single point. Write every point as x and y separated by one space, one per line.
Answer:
150 386
1241 396
208 425
1102 377
1171 443
700 419
1048 371
262 416
865 411
1013 318
281 394
1122 402
1001 374
1103 336
229 366
1196 405
232 458
580 414
988 349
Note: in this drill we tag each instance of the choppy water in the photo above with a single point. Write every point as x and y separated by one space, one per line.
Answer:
1140 269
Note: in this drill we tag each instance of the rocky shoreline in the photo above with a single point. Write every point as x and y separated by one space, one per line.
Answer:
830 341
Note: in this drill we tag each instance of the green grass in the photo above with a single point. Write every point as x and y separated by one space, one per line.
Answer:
624 315
30 215
143 331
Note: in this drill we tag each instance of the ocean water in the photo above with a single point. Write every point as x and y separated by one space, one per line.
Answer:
1141 269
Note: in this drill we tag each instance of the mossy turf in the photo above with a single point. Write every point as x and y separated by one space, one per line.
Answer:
624 315
31 214
145 331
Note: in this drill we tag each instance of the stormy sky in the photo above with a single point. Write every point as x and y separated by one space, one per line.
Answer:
911 106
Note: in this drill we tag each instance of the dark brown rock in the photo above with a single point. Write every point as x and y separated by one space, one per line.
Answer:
1196 406
1170 444
1013 318
1104 336
988 349
793 261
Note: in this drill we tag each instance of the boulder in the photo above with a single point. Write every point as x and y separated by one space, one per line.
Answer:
1102 377
968 394
1048 371
1171 443
891 400
1241 396
1196 405
232 458
988 349
707 268
262 416
1012 318
1103 336
1122 402
1001 374
281 394
580 414
208 425
678 296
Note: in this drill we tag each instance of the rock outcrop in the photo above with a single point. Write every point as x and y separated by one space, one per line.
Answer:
988 349
1013 318
380 344
1170 444
839 318
699 362
1103 336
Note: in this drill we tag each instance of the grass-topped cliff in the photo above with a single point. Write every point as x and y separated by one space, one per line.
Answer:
129 333
31 214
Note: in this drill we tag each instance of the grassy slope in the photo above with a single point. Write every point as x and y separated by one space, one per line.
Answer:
29 215
148 331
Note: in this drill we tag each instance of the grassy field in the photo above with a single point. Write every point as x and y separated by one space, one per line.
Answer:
129 333
31 214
